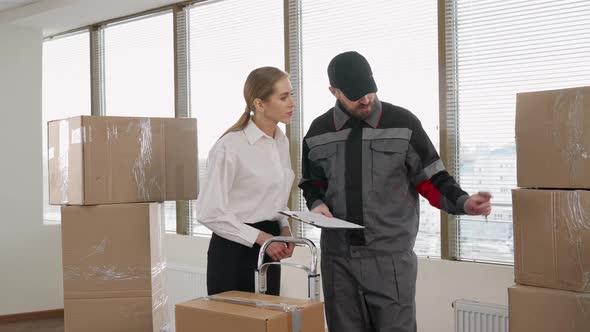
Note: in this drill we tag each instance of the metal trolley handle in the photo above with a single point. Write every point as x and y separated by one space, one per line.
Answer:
313 277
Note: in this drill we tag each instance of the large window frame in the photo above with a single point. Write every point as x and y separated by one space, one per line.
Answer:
448 117
310 52
182 81
489 52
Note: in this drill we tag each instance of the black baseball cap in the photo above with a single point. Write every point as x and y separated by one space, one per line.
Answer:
351 73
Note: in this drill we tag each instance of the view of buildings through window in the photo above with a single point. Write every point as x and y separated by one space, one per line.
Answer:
499 51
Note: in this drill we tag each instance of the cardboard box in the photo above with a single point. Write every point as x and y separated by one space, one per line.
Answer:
217 315
112 250
553 139
534 309
552 238
133 314
104 160
112 261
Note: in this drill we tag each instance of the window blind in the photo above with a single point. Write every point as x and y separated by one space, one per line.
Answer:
400 41
228 39
493 51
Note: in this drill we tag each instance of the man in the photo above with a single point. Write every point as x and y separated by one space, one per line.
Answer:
366 161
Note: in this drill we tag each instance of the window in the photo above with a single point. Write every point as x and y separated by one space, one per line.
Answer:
66 93
139 67
139 73
492 50
228 39
495 50
400 41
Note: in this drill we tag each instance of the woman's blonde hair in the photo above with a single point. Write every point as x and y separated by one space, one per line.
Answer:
259 85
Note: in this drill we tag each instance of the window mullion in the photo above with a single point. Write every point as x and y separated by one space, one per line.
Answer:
97 70
182 98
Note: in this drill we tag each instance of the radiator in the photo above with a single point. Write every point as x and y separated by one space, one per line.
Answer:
183 283
472 316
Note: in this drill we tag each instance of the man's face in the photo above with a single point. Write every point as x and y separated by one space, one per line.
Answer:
360 109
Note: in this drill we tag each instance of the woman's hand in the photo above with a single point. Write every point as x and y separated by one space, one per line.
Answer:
285 231
276 250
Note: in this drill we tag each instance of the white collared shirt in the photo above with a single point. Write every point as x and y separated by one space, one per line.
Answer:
248 180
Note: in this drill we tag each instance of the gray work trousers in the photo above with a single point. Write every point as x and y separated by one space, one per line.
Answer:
367 292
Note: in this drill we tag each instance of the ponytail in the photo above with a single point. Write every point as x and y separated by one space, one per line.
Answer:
241 123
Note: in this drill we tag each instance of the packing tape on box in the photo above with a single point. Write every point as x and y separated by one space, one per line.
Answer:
144 160
107 272
142 164
295 310
64 159
572 139
110 272
160 309
583 302
576 212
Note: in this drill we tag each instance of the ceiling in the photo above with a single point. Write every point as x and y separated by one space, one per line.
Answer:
56 16
11 4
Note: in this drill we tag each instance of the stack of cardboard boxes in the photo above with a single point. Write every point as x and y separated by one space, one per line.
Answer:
109 174
552 213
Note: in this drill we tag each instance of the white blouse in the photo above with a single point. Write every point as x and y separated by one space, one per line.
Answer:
248 180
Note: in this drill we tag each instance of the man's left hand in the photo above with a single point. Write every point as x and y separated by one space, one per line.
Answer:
478 204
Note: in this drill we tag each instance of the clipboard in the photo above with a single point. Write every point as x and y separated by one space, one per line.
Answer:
320 221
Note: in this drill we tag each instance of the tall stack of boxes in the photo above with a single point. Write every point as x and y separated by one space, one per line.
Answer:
110 174
551 212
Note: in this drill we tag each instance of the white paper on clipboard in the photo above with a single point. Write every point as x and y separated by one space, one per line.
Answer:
320 221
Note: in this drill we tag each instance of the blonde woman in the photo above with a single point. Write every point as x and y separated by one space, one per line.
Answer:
248 180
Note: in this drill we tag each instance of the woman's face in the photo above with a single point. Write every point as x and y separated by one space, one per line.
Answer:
279 106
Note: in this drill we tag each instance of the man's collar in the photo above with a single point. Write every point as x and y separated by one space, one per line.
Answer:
341 116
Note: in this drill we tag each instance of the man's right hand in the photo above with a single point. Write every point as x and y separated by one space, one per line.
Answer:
322 209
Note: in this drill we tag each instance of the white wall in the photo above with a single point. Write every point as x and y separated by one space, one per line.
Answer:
442 282
30 252
439 282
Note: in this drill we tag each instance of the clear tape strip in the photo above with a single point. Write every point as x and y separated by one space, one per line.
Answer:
295 310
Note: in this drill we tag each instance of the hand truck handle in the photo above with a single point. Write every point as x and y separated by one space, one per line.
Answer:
312 275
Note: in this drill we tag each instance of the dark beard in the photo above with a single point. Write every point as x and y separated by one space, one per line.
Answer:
364 116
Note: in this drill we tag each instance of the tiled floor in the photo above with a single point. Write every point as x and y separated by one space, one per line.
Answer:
37 325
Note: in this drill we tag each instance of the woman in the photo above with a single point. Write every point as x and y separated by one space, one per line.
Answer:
248 180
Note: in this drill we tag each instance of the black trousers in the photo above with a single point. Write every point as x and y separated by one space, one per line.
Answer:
231 266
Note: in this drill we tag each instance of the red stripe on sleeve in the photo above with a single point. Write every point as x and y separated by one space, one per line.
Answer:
429 191
319 184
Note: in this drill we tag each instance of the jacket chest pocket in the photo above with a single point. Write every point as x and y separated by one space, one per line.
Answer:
388 162
325 157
